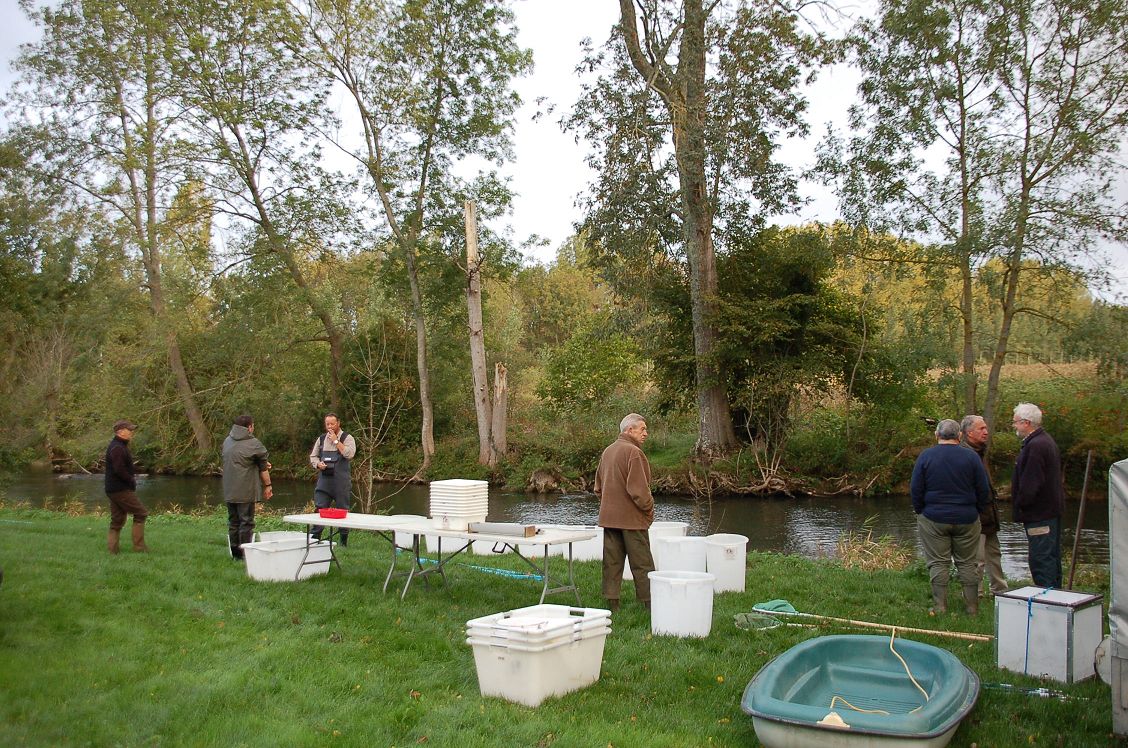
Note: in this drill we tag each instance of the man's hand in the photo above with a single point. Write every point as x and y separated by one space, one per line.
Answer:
320 465
267 493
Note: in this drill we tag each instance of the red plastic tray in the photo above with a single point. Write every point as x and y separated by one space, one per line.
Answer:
332 513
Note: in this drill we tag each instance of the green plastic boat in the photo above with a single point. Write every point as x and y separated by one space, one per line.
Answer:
848 691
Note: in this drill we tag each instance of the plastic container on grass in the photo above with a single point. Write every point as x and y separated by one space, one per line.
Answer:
726 558
530 673
658 530
679 553
281 560
681 603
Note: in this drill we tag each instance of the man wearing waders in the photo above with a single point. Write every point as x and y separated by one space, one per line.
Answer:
330 456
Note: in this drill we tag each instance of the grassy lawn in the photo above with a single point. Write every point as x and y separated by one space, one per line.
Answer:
179 647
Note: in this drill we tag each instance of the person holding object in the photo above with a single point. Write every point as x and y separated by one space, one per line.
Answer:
246 480
330 457
990 557
1038 495
949 489
121 490
626 511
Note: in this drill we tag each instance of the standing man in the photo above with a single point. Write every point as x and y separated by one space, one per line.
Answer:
1038 495
246 480
121 489
626 511
330 456
949 489
990 558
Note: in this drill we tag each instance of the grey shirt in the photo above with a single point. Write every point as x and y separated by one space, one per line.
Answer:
244 457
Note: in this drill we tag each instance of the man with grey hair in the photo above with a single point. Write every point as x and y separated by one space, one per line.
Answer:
949 488
626 511
1038 495
975 436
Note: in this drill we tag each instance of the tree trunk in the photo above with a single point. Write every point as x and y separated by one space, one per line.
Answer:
500 412
486 455
1014 269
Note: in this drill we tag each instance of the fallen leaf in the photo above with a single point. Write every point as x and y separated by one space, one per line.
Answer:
415 694
720 679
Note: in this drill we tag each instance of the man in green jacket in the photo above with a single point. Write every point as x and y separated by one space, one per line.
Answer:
246 480
626 511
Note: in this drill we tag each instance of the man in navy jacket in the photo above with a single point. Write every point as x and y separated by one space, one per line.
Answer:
1038 495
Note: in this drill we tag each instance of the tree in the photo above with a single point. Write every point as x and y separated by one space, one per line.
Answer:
431 85
102 88
719 83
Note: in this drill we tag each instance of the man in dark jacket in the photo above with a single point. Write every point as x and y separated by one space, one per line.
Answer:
626 511
1038 495
975 436
246 479
121 489
949 488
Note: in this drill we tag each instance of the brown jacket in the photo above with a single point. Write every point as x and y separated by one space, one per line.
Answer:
622 483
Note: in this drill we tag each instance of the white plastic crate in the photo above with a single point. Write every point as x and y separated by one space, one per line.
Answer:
280 560
539 624
529 674
1048 633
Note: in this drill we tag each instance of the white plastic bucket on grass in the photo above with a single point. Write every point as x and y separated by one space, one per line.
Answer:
658 530
679 553
281 560
681 603
726 558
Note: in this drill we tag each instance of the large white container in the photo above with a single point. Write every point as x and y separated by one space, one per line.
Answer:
658 530
281 535
539 624
1048 633
489 548
280 560
726 558
680 553
529 673
681 603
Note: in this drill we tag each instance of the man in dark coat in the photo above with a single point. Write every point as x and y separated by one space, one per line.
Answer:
626 511
121 490
1038 495
246 480
975 436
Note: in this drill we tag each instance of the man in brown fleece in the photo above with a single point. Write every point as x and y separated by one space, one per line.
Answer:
626 511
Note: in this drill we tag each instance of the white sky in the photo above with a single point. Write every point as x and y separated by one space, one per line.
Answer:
549 169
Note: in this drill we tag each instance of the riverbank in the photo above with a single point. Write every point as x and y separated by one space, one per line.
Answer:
179 647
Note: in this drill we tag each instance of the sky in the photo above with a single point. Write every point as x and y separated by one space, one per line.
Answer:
549 171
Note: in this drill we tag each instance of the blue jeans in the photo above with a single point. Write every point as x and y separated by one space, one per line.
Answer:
1044 555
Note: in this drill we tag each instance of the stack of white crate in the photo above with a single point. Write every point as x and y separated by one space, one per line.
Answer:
457 502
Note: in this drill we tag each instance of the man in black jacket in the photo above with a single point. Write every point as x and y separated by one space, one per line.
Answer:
121 489
975 436
1038 495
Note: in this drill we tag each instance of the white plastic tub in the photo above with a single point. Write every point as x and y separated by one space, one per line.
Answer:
679 553
726 557
681 603
529 673
538 624
658 530
280 560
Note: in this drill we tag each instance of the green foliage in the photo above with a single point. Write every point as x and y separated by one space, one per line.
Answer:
590 367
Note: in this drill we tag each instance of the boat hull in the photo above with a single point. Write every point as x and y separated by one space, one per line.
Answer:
859 680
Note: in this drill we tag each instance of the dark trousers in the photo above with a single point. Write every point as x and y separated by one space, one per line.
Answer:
1044 555
618 546
123 503
323 500
240 525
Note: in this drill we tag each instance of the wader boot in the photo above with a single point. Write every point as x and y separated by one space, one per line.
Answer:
113 542
139 538
940 598
612 604
971 598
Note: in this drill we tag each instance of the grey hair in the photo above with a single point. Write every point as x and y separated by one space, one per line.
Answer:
948 429
630 421
970 420
1029 412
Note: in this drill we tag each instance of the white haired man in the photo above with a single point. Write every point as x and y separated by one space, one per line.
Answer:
1038 495
626 511
975 436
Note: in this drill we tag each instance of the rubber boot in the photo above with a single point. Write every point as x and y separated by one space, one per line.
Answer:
139 538
971 598
940 598
612 604
113 542
646 604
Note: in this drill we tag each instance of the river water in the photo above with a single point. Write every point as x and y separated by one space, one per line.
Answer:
804 526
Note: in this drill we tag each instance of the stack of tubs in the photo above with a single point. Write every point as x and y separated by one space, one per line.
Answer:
689 571
456 503
529 654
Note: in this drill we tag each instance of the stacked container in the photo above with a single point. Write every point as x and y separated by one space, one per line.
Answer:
456 503
529 654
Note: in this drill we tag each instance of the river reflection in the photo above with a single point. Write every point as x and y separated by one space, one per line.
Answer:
804 526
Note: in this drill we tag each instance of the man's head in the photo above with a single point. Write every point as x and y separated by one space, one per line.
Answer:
974 429
332 423
1027 419
634 426
947 430
246 422
124 429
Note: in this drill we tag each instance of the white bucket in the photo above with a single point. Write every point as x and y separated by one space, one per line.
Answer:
677 553
681 603
726 556
658 530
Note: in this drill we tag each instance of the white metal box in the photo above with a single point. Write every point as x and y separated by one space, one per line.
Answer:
1048 633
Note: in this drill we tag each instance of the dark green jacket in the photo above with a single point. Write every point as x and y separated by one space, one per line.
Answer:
244 457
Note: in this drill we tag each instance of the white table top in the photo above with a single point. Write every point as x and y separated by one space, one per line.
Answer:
416 526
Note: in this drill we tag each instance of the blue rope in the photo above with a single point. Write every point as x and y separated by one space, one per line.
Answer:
1030 615
508 573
